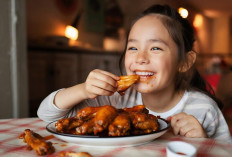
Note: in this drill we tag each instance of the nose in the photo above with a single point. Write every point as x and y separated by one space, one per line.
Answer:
142 58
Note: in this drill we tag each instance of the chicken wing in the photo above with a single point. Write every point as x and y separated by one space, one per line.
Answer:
143 123
86 128
125 82
87 113
74 154
120 126
138 108
103 118
109 121
37 142
68 125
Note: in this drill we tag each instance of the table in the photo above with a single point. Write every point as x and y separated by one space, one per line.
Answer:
11 146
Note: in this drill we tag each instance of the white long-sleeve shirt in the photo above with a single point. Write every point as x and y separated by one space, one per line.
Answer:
194 103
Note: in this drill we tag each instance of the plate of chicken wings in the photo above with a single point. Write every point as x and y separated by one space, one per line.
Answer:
106 126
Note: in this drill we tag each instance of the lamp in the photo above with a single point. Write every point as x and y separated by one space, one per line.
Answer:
71 31
183 12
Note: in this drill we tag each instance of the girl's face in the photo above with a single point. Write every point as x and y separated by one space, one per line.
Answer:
152 54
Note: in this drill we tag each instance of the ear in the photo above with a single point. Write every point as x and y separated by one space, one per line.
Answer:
190 60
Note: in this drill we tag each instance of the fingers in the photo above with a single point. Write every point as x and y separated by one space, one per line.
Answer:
100 82
196 133
101 85
109 74
95 91
185 128
187 125
104 76
176 122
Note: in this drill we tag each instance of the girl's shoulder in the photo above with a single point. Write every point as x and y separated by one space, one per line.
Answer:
199 100
199 97
201 106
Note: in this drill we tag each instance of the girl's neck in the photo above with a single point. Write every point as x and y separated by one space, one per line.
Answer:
162 101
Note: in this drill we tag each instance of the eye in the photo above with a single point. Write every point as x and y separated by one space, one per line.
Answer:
132 48
156 48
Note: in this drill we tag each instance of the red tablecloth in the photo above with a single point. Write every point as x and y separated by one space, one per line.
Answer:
11 146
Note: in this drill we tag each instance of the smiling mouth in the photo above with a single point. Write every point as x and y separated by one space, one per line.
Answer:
145 74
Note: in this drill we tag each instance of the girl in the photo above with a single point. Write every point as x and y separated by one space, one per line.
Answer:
159 50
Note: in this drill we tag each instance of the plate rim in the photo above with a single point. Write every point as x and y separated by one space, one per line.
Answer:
101 137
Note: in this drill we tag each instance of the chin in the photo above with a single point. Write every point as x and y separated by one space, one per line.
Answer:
144 90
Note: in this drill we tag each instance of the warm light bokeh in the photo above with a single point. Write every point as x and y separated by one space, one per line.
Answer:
183 12
198 21
71 33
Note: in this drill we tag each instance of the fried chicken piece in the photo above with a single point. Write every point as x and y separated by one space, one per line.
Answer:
104 118
73 154
138 108
87 113
86 128
37 142
109 121
143 123
125 82
120 126
68 125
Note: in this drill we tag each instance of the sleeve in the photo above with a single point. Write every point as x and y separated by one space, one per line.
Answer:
215 125
48 112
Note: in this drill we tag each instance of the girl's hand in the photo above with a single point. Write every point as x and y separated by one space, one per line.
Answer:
100 82
186 125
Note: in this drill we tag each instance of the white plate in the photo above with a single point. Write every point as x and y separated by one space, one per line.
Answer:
96 141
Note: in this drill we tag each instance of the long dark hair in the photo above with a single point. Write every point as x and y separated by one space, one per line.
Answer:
182 34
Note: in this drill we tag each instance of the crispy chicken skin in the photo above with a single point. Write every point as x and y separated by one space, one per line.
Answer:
87 113
138 108
37 142
143 123
86 128
97 119
125 82
120 126
68 125
109 121
104 118
74 154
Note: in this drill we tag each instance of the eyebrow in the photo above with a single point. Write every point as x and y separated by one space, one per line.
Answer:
132 40
150 40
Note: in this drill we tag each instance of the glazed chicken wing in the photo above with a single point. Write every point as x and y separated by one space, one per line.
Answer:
120 126
37 142
74 154
87 113
125 82
109 121
103 118
86 128
143 123
138 108
68 125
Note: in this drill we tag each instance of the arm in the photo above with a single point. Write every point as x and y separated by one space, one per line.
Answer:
97 83
58 104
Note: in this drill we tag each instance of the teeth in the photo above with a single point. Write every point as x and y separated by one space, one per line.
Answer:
144 73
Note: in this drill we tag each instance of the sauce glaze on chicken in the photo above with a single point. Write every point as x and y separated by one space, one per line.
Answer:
109 121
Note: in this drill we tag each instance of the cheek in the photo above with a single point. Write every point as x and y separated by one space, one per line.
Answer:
128 62
168 67
165 65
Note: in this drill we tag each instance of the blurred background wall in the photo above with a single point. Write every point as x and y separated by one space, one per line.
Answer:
13 60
